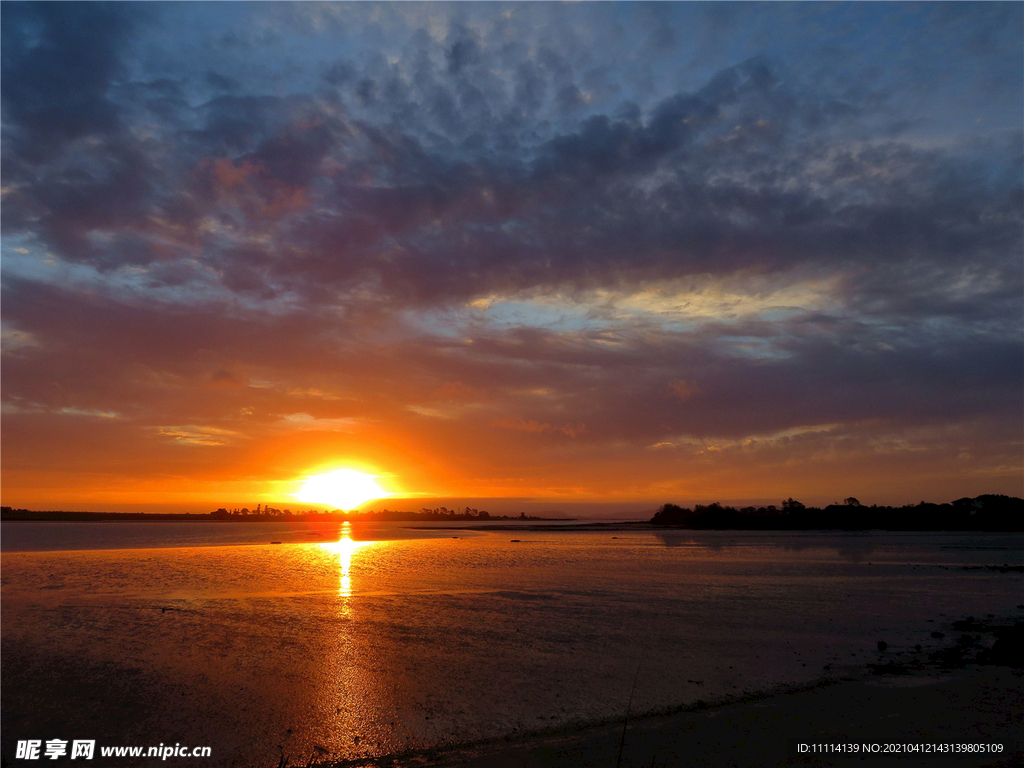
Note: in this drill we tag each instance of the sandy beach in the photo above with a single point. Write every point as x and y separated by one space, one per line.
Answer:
976 705
981 705
968 692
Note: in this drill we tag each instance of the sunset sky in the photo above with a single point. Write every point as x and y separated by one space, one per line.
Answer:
623 253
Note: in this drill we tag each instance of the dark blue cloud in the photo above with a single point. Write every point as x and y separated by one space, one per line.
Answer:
59 60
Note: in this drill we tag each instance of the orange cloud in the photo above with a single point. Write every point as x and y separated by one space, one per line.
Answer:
225 379
248 185
456 391
519 424
684 389
229 175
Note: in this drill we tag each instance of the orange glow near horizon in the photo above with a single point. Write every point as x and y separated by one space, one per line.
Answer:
341 489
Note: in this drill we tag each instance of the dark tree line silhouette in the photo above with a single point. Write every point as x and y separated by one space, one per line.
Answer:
437 514
989 512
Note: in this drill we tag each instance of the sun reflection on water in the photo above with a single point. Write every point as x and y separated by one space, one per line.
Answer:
345 548
347 695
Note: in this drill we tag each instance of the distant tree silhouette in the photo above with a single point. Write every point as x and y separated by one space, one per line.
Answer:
990 512
672 514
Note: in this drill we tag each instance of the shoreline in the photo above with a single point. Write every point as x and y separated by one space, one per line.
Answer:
976 705
970 691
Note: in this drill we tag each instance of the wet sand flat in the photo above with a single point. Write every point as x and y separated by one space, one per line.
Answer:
980 705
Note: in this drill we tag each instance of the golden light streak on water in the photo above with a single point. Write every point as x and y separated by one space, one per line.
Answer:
345 548
348 697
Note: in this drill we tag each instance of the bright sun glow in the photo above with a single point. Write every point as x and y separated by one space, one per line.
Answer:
341 489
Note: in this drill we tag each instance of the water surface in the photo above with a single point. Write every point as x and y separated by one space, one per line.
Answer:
367 640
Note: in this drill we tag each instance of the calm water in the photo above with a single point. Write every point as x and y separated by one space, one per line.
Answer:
378 639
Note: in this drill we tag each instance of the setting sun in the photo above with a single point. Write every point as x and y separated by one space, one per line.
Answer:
341 489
